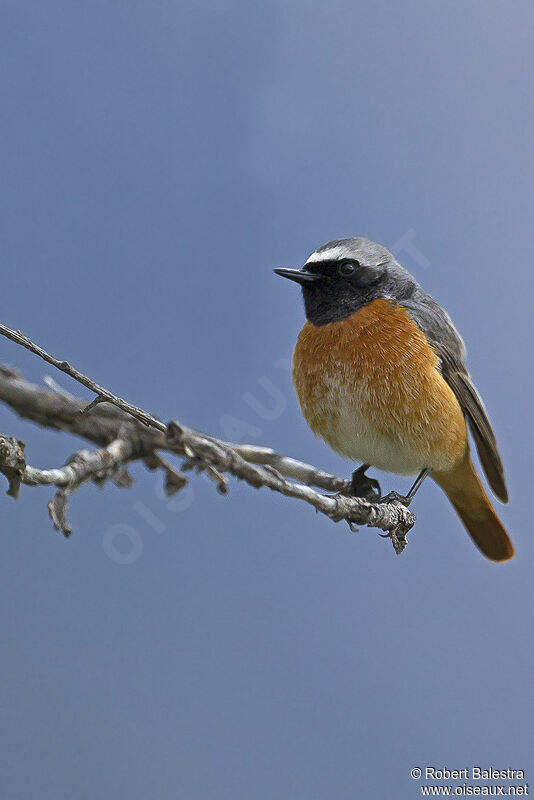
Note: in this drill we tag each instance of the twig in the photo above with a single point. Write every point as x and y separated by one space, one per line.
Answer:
83 466
64 366
174 479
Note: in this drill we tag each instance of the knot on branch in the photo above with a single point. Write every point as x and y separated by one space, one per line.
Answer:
393 517
12 462
202 453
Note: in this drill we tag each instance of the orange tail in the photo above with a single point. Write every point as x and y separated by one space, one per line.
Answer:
463 488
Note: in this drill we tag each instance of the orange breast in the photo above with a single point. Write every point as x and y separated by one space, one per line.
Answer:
370 386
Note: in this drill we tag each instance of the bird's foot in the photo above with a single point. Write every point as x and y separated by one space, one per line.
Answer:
407 499
364 486
400 498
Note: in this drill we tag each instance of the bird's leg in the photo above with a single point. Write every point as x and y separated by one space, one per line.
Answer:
364 486
407 499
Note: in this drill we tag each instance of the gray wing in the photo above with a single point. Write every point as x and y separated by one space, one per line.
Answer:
434 321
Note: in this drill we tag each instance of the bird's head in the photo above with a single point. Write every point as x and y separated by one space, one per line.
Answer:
344 275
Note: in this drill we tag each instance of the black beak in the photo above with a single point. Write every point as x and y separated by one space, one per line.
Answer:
299 275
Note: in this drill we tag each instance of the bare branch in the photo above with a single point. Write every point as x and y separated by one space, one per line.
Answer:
393 517
62 411
64 366
83 466
292 468
125 432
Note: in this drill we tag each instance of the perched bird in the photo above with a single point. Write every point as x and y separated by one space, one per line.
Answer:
380 376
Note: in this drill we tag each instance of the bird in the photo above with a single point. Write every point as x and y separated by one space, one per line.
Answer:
379 372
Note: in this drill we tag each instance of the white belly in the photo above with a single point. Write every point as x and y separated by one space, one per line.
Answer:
351 435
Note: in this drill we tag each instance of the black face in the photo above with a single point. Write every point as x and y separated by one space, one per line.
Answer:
336 289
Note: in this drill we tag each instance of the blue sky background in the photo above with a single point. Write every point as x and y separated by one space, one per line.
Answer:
157 160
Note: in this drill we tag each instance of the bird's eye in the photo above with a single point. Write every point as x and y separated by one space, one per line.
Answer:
347 268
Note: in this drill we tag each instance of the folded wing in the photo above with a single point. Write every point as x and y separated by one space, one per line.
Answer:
447 342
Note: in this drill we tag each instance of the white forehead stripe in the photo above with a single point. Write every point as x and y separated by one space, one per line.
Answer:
333 253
